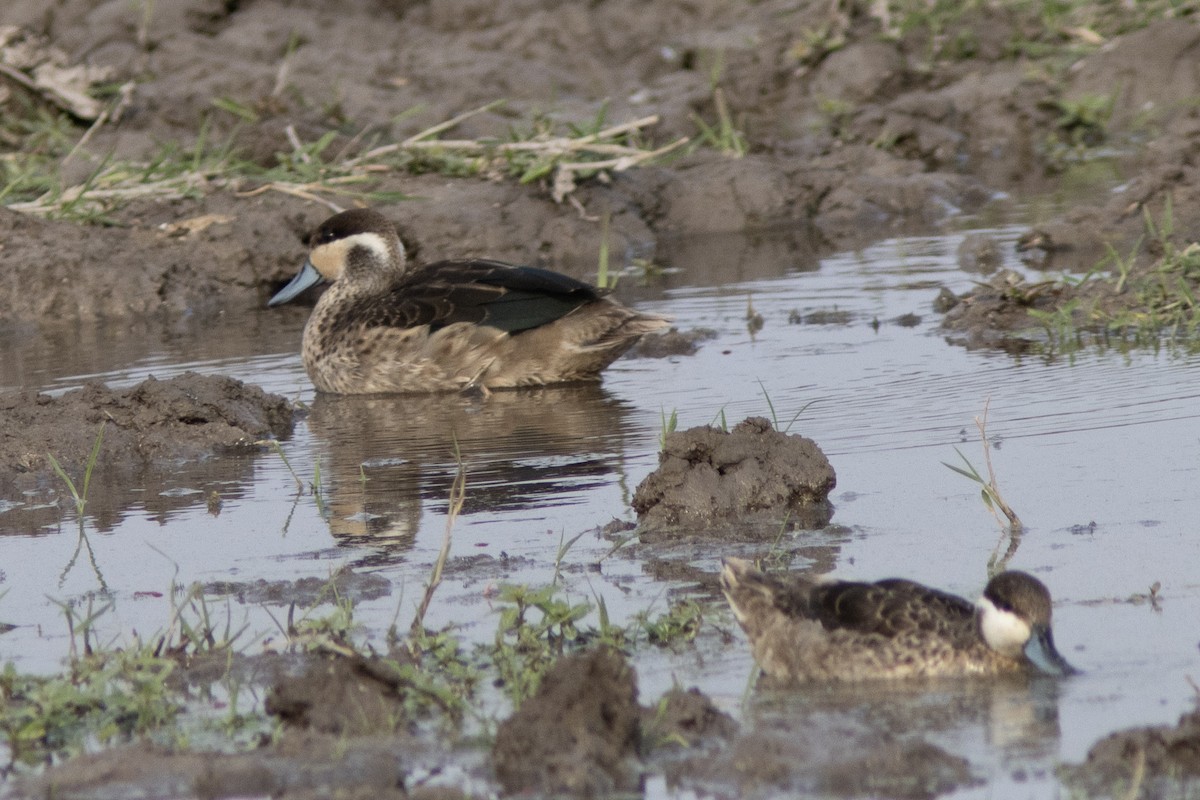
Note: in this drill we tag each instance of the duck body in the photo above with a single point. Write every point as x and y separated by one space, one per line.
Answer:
803 630
448 326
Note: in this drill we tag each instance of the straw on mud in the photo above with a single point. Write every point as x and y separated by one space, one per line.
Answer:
115 184
125 97
557 144
458 493
425 134
297 145
564 176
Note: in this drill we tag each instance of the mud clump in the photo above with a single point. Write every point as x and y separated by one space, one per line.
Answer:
1164 760
342 695
346 583
687 718
707 477
187 417
578 735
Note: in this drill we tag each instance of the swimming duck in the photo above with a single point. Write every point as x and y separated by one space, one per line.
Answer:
450 325
804 630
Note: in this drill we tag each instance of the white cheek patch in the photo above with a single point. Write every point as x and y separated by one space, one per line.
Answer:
1003 631
330 259
370 241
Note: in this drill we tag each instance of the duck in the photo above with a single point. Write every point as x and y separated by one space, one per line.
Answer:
804 630
449 326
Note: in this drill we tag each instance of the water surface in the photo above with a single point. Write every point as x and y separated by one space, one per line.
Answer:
1098 453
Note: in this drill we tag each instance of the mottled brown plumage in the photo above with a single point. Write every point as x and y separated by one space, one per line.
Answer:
804 630
450 325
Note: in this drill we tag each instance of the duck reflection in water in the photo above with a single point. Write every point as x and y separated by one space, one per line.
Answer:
388 459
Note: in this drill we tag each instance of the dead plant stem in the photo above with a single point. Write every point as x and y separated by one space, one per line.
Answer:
458 493
981 423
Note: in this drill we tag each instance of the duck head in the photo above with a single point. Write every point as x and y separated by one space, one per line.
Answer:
359 246
1014 619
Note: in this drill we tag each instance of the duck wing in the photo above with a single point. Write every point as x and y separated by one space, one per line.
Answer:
480 292
890 608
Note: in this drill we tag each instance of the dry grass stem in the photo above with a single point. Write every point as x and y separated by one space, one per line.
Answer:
531 159
993 488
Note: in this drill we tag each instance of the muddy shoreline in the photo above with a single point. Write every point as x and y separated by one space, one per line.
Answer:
908 144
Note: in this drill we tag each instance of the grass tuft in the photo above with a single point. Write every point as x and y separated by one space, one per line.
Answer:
80 497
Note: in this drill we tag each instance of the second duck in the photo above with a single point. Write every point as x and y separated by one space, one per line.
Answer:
450 325
803 630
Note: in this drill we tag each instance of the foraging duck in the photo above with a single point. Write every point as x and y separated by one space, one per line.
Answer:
451 325
803 630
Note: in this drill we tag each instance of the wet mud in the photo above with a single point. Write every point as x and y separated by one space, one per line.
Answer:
579 734
302 766
1157 761
346 731
846 144
143 431
350 695
345 583
706 477
771 760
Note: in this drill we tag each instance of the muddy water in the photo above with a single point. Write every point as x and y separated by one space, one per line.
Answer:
1098 453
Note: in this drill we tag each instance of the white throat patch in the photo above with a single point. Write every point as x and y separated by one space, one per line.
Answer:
1004 631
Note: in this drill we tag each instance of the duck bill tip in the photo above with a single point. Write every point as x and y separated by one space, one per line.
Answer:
1045 656
306 277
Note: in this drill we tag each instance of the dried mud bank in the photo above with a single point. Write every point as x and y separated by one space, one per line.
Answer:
851 130
1143 227
854 126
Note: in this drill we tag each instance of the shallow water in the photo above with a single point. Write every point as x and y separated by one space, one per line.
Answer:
1097 453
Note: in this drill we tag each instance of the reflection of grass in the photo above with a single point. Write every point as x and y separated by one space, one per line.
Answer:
458 495
989 492
79 497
